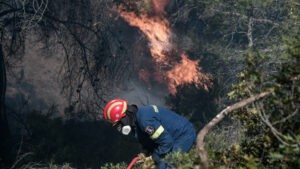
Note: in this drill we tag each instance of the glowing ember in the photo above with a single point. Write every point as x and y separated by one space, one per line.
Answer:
157 31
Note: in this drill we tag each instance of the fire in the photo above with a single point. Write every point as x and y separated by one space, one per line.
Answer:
156 30
168 69
186 71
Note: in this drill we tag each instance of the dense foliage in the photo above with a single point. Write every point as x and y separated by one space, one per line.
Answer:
271 126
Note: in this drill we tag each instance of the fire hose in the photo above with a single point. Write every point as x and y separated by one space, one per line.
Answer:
133 161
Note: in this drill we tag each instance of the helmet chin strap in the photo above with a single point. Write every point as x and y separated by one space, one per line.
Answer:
126 130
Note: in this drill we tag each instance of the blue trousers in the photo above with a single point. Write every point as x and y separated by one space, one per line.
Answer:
183 144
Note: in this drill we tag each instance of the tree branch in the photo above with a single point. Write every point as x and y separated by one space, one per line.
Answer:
280 136
217 119
249 33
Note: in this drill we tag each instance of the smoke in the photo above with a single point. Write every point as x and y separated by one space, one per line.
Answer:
159 6
137 92
33 84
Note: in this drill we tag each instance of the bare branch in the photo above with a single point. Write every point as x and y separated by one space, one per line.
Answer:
23 156
217 119
249 33
36 16
295 3
245 17
286 118
265 118
19 156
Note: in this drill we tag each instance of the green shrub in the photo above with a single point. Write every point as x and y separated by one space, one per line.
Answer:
114 166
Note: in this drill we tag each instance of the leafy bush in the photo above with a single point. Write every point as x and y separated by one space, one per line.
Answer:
272 124
181 160
114 166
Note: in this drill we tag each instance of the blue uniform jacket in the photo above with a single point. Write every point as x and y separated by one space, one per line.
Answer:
161 131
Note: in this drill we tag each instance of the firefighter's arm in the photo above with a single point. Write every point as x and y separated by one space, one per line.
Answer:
165 144
160 136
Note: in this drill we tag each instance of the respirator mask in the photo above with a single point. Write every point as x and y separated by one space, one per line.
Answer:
123 126
127 123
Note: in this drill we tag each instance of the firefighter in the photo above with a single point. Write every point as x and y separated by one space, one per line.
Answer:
160 131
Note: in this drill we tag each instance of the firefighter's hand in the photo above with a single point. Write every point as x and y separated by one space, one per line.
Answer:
143 158
146 162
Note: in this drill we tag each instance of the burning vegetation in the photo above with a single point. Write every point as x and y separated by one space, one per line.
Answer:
172 67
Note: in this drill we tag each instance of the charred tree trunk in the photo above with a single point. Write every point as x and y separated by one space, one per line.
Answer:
4 129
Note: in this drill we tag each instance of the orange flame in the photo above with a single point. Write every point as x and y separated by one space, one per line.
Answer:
185 72
157 31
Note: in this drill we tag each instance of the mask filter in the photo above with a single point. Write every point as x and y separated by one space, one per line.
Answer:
126 130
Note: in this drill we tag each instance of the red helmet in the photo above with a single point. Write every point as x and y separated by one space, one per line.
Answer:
115 110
